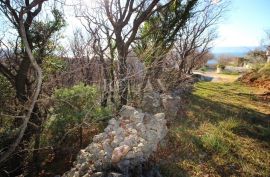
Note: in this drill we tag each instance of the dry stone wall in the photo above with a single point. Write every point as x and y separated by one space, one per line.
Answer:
126 143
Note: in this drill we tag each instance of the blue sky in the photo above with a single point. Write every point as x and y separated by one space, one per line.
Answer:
245 23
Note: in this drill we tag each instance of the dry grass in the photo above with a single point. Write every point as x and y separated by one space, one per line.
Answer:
259 76
224 133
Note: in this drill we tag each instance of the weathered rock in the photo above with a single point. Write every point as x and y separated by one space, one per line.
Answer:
151 102
127 111
125 144
119 153
98 174
171 105
115 175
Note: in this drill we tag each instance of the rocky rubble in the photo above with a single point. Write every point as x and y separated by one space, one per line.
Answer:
169 103
126 143
169 98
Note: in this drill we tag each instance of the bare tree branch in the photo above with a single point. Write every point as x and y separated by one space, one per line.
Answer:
38 70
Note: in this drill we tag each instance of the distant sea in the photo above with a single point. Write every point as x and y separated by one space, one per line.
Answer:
229 51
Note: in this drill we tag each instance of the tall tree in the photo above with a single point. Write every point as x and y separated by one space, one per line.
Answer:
196 38
98 28
125 18
23 68
158 36
22 18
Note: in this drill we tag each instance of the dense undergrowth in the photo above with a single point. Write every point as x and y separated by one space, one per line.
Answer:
73 118
225 132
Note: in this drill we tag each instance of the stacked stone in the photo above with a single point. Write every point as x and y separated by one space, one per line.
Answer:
154 102
125 143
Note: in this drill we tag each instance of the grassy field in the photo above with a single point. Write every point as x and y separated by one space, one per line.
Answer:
225 131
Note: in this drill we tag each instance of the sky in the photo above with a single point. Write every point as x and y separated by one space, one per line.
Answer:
244 24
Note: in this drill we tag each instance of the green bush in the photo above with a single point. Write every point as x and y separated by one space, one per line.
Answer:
52 64
7 93
221 66
72 107
204 68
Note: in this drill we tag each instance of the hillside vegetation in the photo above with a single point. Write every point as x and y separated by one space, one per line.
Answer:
259 76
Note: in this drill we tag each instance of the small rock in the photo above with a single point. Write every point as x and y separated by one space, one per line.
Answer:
98 137
84 166
119 153
115 175
127 111
98 174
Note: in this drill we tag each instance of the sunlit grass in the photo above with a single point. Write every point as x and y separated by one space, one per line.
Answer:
235 94
220 134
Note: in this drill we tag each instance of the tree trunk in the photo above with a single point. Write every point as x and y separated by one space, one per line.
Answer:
123 80
36 133
36 158
112 81
145 80
104 100
189 70
34 98
106 91
131 93
21 80
154 76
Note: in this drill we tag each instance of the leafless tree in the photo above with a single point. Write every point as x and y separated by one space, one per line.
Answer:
157 37
195 39
80 45
82 51
125 18
98 28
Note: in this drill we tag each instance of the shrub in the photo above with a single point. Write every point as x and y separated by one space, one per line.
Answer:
7 93
52 64
228 60
72 107
221 66
204 68
257 67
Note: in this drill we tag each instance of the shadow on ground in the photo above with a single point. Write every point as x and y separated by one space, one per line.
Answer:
216 138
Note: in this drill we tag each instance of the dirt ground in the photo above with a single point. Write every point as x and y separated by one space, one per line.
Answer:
224 78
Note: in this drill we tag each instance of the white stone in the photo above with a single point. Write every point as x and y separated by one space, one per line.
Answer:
127 111
119 153
99 137
127 141
138 117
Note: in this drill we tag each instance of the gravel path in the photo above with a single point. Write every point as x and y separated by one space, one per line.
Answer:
225 78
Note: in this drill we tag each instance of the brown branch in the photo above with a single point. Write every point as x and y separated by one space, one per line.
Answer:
36 93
